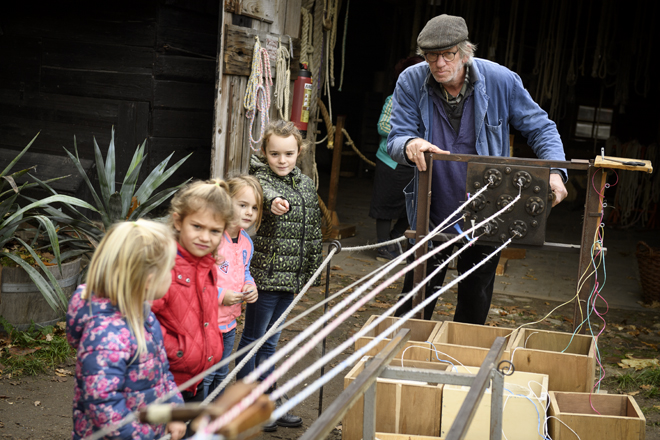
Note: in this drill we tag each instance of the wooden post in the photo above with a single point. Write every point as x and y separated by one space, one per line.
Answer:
422 230
219 110
339 230
592 217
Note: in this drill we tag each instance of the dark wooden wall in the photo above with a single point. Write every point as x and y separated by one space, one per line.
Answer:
145 67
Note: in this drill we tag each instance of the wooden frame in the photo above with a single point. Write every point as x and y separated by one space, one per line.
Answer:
467 344
619 418
422 333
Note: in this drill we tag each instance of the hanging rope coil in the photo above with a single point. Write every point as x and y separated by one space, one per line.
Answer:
358 152
282 80
306 38
257 92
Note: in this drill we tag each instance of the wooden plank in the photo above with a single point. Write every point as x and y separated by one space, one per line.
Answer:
620 416
467 343
48 167
94 56
132 129
401 407
387 436
16 132
130 86
239 46
176 94
238 149
177 18
196 165
514 253
501 266
59 108
21 61
181 124
292 22
86 27
183 68
220 104
615 162
183 41
262 10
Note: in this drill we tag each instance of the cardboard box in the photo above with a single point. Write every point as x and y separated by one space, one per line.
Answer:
620 418
467 344
569 360
422 333
525 401
405 407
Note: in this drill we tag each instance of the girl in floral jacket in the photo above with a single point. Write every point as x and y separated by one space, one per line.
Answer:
121 365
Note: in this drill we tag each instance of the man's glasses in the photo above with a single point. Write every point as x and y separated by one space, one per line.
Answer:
432 57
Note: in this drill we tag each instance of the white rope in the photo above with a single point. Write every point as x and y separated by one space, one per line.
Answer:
282 80
373 246
257 92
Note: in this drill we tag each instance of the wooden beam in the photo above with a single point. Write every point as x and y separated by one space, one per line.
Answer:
219 106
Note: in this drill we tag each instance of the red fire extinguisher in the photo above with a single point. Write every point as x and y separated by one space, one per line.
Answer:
302 96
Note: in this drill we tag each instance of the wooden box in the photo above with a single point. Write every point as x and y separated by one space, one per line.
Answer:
620 418
525 401
386 436
417 348
540 351
402 407
467 344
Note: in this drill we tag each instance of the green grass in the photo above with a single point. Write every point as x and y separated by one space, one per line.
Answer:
634 380
53 350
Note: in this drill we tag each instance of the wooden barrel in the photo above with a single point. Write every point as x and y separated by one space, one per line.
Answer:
21 302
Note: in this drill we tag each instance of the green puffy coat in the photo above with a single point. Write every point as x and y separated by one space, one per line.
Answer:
287 248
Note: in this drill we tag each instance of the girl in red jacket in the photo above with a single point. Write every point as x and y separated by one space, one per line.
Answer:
188 313
235 283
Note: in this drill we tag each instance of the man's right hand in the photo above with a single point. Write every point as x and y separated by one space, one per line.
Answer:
415 152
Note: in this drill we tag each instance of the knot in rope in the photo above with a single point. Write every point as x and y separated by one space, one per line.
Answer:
253 100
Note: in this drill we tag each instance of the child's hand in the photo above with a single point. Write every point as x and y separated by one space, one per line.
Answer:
252 294
232 297
177 429
279 206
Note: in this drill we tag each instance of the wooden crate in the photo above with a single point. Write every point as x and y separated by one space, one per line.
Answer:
620 418
525 400
386 436
540 351
402 407
422 333
467 343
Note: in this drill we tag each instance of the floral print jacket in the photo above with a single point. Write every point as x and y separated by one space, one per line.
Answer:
110 382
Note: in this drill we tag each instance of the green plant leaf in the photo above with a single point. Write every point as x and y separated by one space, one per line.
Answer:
110 161
132 175
114 208
52 297
157 177
52 237
52 199
31 184
155 201
105 181
76 161
18 157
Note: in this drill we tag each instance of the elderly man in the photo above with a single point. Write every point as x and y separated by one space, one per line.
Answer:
455 103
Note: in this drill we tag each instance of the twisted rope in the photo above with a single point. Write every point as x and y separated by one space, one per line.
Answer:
307 36
253 100
358 152
328 124
343 46
282 80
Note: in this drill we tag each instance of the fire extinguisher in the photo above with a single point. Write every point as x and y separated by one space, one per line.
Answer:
302 96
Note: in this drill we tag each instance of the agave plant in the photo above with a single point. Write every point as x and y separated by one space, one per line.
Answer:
130 202
13 218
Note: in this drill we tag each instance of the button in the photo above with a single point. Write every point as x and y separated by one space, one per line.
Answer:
187 280
179 276
210 358
206 324
179 353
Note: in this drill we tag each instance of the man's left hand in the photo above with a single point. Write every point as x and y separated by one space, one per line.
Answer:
558 188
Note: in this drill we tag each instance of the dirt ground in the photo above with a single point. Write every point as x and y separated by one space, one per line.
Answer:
40 407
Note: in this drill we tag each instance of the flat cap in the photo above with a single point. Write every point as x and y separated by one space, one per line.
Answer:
442 32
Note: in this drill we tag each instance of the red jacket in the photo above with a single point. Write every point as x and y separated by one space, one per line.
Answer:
188 315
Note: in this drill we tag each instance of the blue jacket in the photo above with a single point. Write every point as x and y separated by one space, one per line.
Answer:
500 100
110 382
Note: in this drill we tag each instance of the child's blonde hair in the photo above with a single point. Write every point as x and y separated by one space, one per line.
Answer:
283 129
128 267
238 183
196 196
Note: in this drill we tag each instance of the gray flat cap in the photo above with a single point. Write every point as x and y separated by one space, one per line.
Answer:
442 32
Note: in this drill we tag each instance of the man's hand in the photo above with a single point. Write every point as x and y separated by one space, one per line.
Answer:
415 151
558 188
279 206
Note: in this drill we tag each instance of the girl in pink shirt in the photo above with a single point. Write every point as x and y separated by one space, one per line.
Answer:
235 283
